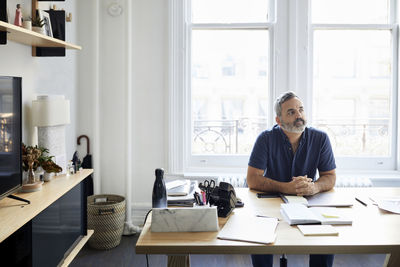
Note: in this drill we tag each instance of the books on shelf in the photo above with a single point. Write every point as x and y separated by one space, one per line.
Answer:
249 229
296 213
317 230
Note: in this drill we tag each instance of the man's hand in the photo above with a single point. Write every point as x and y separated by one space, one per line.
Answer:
304 186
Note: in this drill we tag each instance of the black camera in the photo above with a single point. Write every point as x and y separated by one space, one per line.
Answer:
222 196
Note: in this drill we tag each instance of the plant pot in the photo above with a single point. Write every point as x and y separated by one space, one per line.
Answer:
27 24
39 173
38 29
48 176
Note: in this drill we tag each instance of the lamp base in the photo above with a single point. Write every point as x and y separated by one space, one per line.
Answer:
36 186
53 138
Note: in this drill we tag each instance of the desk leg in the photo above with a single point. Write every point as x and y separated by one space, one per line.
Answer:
392 260
178 261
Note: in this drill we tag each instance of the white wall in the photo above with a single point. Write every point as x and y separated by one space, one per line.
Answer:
43 75
99 69
149 18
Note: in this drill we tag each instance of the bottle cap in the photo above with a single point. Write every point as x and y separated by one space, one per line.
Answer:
160 172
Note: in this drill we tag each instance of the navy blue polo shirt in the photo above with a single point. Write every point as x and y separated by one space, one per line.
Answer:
272 153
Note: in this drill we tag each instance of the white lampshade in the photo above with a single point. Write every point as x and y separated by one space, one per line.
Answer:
50 114
50 111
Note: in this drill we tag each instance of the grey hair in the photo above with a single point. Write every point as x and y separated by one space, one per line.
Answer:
282 99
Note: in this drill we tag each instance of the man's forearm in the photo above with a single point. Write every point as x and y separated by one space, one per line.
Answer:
325 182
265 184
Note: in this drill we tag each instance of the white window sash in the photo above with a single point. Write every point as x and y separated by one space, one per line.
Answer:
366 163
290 69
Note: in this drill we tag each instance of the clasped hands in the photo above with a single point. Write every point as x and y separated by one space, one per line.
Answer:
302 186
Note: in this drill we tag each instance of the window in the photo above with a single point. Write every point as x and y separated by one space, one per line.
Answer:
352 85
227 65
223 103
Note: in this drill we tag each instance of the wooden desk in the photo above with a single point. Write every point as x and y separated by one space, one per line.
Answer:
373 231
15 214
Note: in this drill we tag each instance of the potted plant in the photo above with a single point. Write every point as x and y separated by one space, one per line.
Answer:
49 167
30 161
37 25
43 161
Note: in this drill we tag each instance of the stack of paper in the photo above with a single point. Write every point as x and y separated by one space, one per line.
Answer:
299 214
185 200
178 187
249 229
317 230
389 204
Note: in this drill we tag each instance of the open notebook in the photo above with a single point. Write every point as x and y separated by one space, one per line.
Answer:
249 229
325 199
299 214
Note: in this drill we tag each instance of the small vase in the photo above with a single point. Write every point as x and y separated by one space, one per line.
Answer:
31 176
24 177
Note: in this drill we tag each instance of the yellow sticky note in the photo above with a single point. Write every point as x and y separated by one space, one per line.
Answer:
330 215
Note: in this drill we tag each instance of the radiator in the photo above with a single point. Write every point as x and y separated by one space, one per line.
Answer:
353 182
240 181
234 180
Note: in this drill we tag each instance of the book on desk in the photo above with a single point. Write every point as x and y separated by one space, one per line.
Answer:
251 229
296 213
325 199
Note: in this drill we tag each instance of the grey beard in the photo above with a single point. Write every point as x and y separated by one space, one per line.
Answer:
292 128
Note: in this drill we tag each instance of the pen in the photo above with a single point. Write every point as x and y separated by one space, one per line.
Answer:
203 194
362 202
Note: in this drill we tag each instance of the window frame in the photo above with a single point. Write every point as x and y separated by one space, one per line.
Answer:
180 26
290 68
390 163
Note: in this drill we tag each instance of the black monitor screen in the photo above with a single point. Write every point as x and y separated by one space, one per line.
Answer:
10 135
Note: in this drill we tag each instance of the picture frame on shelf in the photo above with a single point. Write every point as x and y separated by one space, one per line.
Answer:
43 15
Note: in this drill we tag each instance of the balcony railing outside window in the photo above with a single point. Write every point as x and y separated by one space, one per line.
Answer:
348 138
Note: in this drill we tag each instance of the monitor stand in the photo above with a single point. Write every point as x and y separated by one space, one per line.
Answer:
19 198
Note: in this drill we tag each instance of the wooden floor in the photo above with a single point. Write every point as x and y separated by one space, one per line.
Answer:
124 255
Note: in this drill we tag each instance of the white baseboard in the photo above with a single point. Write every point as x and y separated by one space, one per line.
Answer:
139 211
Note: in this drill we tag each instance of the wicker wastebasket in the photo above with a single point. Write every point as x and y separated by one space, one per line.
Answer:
106 216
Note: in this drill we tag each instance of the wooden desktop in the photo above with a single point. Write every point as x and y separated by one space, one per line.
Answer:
373 231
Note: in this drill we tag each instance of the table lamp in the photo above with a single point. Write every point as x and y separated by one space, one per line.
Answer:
50 113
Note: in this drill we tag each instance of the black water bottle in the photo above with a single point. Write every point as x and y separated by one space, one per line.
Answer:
159 191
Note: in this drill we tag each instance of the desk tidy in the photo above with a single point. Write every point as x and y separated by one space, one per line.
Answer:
198 219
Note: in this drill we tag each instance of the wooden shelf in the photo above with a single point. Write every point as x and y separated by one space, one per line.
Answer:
31 38
14 214
76 249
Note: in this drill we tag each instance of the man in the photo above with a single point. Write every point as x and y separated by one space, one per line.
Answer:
285 159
